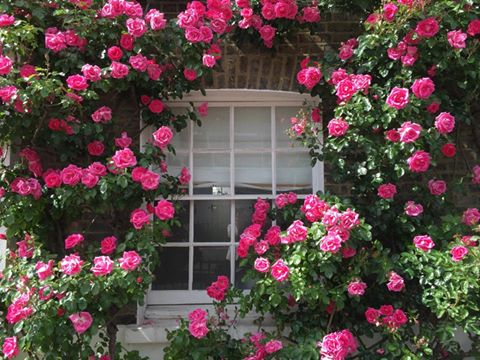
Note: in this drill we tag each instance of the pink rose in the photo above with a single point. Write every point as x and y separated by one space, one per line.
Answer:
345 89
118 70
52 178
476 175
130 260
81 321
184 177
44 270
108 245
474 27
102 115
10 347
71 264
427 28
345 52
7 93
123 141
73 240
437 187
389 11
471 216
209 60
139 218
387 191
164 210
154 71
280 270
136 27
348 252
96 148
124 158
409 132
150 180
297 232
449 150
337 127
138 62
423 242
190 74
203 109
372 315
6 20
162 137
273 346
356 288
413 209
458 253
92 72
456 39
6 65
114 53
267 32
338 345
97 168
419 161
55 40
309 77
71 175
77 82
102 265
126 41
88 179
445 123
393 135
331 242
198 329
156 106
395 282
261 265
310 14
398 98
155 19
423 88
433 107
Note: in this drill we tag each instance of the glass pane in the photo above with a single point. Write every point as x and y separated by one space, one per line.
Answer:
252 127
253 173
208 263
180 233
294 172
181 140
211 174
175 163
211 221
243 216
172 273
215 130
283 114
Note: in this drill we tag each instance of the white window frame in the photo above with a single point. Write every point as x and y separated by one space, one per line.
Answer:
3 230
227 98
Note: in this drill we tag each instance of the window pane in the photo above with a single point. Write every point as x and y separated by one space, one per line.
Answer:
176 163
253 173
252 127
283 114
211 221
181 140
180 233
243 216
239 273
208 263
172 273
294 172
215 130
211 174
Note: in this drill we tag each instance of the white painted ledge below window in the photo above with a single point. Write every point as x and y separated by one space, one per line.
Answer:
158 319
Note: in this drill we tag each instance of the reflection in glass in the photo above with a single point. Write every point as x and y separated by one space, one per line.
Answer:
211 221
175 163
211 174
243 216
208 263
172 273
283 114
215 130
253 173
294 172
181 140
252 127
180 233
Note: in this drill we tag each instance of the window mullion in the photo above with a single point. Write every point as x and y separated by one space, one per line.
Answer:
233 226
274 153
